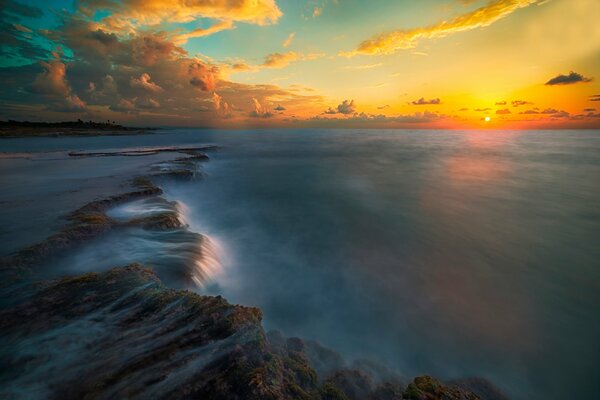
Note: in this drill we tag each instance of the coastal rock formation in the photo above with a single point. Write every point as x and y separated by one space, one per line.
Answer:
123 334
91 220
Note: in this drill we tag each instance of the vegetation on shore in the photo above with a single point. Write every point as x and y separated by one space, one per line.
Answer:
12 128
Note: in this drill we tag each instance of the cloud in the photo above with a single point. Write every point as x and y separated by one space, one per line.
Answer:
570 79
547 111
52 80
361 67
391 42
204 76
74 103
201 32
518 103
464 109
123 106
146 103
260 111
16 39
52 84
143 76
482 109
504 111
317 11
345 107
217 100
274 61
280 108
19 9
383 107
125 13
377 120
595 97
589 109
144 82
279 60
500 103
422 101
288 41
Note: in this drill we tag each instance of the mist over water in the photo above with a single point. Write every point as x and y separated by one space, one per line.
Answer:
448 253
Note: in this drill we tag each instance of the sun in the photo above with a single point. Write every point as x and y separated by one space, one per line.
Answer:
487 119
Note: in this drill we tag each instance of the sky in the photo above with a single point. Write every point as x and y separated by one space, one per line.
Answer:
452 64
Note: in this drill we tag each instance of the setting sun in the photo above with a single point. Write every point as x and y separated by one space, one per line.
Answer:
487 119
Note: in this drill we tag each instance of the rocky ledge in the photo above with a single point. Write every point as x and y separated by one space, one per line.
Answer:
123 334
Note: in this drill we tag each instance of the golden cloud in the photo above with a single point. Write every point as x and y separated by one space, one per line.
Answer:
279 60
127 13
391 42
201 32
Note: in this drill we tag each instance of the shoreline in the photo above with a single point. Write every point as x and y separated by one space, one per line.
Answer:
19 129
265 365
61 132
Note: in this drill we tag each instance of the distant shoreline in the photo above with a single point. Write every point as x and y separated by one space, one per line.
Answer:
20 129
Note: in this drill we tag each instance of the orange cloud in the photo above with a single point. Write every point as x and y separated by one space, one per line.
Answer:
144 82
280 60
288 41
52 83
201 32
391 42
152 12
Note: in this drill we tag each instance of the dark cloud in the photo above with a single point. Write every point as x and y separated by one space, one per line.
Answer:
518 103
552 112
503 111
345 107
19 9
204 76
595 97
573 77
482 109
589 109
422 102
280 108
501 103
123 106
16 44
383 107
545 111
464 109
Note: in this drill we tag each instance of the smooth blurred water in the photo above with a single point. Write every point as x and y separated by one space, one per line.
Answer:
451 253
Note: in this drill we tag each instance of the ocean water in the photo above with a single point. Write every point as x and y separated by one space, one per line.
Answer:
450 253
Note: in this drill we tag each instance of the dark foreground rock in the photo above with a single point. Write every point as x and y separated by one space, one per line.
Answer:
122 334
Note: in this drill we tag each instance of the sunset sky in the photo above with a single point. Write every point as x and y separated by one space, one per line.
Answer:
292 63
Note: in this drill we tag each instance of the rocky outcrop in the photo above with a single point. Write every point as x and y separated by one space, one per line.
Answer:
91 220
122 334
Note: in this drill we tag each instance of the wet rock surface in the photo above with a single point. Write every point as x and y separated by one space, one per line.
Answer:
91 220
123 334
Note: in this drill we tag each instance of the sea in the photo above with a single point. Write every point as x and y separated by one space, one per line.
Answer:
449 253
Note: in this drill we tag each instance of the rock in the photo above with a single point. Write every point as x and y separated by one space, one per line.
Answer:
122 334
480 386
428 388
